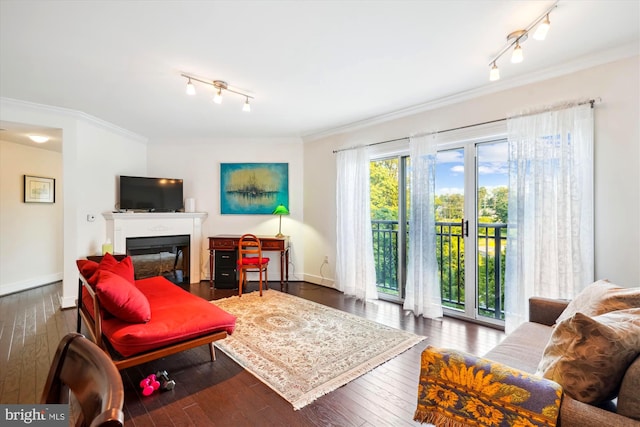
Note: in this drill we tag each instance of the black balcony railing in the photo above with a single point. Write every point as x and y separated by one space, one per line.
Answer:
385 252
450 254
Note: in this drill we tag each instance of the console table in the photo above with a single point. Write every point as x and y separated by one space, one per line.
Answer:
226 246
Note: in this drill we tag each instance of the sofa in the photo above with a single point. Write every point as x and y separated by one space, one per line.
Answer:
532 377
136 321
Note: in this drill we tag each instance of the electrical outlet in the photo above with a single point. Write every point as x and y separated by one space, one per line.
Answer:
326 259
91 217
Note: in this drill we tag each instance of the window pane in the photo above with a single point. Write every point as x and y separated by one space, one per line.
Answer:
384 176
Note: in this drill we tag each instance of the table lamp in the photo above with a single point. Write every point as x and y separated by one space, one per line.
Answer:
280 210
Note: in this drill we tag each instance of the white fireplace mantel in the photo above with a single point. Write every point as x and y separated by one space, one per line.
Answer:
120 226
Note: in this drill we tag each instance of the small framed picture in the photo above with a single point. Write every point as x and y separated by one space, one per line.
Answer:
39 190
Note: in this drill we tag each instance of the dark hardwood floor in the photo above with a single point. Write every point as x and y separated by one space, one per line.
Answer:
222 393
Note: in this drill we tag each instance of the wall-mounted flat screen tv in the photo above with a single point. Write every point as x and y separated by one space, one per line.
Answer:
150 194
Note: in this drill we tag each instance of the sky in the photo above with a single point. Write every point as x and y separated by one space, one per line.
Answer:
492 168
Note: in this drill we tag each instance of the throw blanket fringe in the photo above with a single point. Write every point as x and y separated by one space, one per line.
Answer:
437 419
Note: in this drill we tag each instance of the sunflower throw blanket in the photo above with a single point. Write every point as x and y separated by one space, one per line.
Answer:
459 389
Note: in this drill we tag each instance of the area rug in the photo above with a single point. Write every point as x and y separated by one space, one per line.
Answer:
303 350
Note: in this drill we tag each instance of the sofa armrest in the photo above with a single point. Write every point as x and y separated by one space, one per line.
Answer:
459 389
628 397
546 310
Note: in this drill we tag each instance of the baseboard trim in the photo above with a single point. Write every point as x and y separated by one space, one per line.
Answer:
318 280
12 288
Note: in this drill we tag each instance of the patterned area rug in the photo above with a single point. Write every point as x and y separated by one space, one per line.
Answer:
303 350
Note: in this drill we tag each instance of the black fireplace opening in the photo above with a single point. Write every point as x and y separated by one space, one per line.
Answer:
166 256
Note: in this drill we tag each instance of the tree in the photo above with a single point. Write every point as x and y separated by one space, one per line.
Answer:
384 189
501 204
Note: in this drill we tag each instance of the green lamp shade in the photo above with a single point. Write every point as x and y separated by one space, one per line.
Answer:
281 210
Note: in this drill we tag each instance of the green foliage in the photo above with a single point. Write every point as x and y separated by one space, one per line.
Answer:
384 189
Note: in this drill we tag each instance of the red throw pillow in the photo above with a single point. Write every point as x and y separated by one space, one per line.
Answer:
122 298
122 268
87 268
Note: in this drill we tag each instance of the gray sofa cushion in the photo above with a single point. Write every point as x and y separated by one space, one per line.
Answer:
523 348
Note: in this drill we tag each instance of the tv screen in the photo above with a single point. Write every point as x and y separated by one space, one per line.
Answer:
150 194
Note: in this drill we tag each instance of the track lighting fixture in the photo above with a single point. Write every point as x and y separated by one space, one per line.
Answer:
543 29
217 98
516 56
516 38
191 89
219 87
495 73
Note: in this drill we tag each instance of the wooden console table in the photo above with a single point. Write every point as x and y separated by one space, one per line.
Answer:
229 243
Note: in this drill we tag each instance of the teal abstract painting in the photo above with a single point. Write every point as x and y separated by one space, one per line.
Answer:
253 188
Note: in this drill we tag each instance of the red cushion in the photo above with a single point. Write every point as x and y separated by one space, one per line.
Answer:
122 268
121 298
253 261
87 268
177 316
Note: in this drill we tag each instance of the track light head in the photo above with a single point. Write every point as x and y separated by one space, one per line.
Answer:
191 89
246 107
543 29
217 98
494 74
516 56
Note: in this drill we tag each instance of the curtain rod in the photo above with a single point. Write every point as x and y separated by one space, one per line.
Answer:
591 101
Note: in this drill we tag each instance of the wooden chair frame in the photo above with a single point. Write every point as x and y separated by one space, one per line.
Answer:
249 246
82 369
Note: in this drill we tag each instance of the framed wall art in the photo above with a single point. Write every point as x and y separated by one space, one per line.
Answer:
39 190
253 188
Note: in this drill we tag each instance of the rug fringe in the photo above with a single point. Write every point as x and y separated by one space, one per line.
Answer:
347 377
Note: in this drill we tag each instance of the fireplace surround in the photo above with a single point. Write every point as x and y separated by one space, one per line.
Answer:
123 226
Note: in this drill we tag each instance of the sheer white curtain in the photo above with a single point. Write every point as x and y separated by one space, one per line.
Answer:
355 269
422 295
550 226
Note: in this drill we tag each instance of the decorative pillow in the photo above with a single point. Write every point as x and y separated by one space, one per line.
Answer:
122 268
588 356
86 267
601 297
121 298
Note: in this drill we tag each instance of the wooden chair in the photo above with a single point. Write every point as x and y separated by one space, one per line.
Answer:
82 375
250 259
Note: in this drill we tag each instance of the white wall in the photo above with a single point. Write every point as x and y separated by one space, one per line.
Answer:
30 233
105 154
617 159
93 153
198 164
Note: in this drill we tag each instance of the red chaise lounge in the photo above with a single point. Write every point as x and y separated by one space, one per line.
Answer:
136 321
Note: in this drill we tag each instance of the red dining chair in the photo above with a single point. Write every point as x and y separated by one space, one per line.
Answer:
250 259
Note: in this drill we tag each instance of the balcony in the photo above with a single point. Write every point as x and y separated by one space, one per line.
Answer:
450 254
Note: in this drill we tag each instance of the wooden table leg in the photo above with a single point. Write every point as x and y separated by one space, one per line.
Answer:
211 269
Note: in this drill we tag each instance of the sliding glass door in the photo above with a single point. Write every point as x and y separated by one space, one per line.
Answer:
471 225
471 218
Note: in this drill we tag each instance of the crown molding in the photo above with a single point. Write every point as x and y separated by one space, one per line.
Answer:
73 114
582 63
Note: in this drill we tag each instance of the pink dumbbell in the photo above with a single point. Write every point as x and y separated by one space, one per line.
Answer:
149 385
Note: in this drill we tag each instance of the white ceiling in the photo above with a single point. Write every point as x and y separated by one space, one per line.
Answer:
313 66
